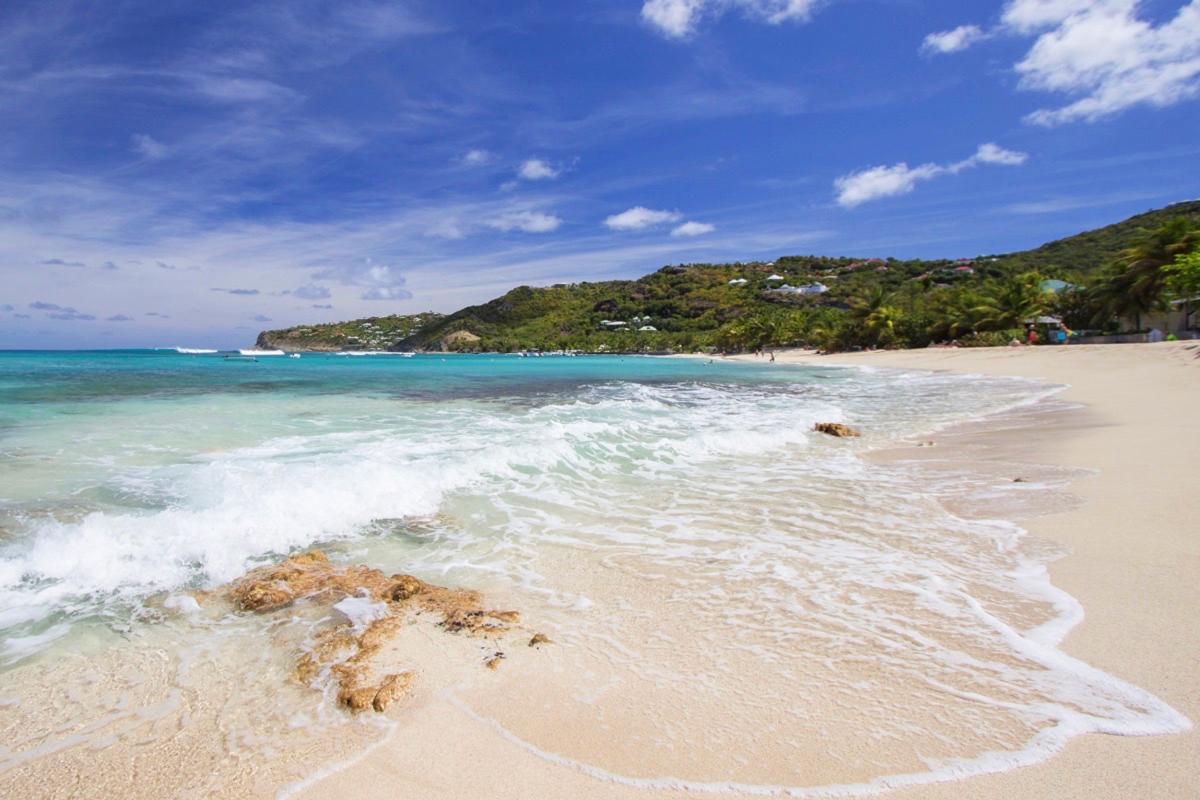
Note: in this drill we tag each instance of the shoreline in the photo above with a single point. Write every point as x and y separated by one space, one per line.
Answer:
1140 433
1131 596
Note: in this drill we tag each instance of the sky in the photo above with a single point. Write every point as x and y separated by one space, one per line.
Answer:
190 173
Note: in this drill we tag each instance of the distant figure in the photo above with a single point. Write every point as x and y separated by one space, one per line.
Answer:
1060 336
1155 335
772 356
1033 337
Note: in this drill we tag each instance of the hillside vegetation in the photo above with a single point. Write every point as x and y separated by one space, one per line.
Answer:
819 300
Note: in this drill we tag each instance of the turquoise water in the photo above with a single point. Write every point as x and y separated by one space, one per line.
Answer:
597 494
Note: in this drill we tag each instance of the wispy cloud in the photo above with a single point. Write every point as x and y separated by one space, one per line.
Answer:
311 291
691 228
954 40
526 221
679 19
148 147
58 262
639 218
235 291
476 158
882 181
55 311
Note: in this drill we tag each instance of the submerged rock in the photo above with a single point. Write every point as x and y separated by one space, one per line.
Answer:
835 429
539 638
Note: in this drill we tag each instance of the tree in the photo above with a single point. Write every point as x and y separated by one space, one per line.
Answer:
1183 281
1010 302
1138 283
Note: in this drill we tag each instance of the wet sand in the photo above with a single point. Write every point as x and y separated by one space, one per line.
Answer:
1128 520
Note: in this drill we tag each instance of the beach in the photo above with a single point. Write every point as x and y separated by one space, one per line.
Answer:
1132 564
691 591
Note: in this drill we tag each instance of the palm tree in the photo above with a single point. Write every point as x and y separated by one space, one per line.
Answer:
1139 282
1010 303
953 312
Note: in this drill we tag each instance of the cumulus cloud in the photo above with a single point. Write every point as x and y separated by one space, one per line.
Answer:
1102 54
118 318
535 169
952 41
874 183
640 217
235 291
527 221
148 147
380 281
58 262
691 228
261 318
311 291
476 158
679 19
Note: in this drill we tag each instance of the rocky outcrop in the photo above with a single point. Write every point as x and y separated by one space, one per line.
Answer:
348 651
835 429
460 340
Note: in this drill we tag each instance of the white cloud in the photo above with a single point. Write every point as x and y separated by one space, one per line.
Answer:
535 169
381 281
691 228
678 19
1102 54
1027 16
952 41
994 154
639 217
882 181
148 147
527 221
476 158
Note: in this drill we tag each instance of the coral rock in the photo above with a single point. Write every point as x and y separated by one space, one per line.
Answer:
835 429
539 638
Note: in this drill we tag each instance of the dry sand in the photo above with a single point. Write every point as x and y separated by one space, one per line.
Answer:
1135 566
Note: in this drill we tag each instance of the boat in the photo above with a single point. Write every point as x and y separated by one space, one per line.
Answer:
250 351
195 351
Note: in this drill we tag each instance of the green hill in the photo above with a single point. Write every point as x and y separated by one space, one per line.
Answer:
696 305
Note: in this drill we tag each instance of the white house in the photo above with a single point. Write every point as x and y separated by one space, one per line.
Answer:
738 282
647 328
774 277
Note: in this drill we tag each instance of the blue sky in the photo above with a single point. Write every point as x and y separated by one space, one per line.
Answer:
187 173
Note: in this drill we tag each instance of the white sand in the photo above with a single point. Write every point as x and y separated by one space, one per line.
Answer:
1135 567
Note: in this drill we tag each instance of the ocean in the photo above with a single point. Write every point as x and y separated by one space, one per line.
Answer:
674 524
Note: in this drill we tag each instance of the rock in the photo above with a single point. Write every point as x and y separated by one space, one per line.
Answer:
835 429
390 688
539 638
350 656
1020 480
406 586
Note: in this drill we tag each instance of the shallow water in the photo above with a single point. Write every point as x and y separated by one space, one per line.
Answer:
676 524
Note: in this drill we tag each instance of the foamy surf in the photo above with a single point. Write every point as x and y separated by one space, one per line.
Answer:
676 527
